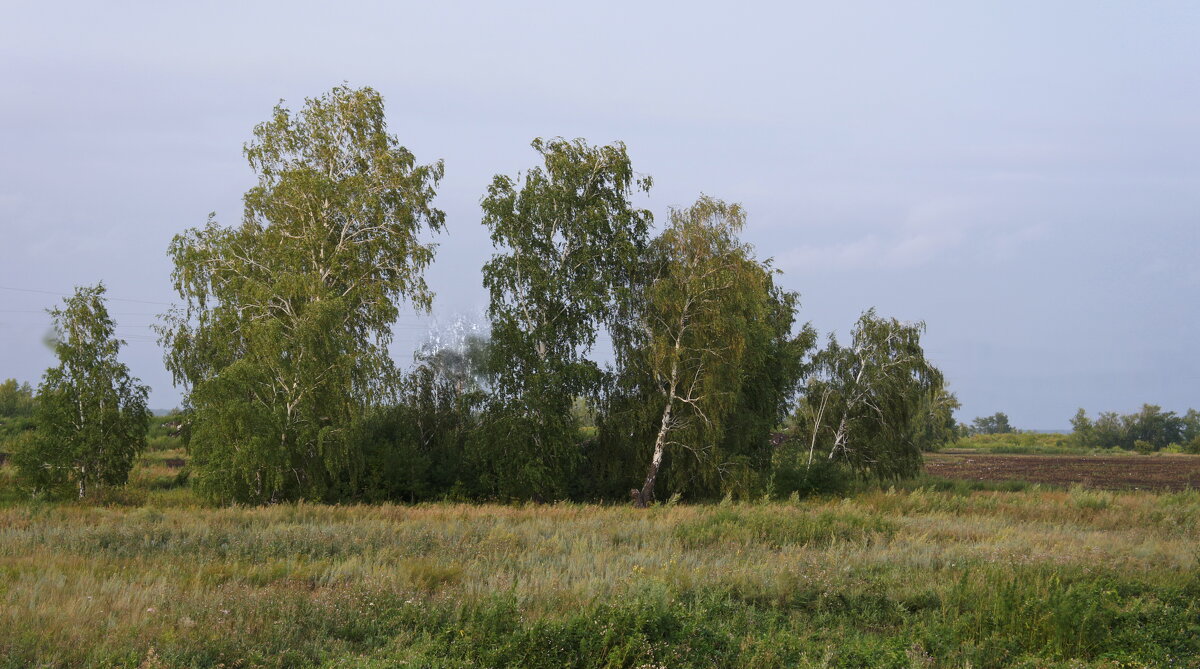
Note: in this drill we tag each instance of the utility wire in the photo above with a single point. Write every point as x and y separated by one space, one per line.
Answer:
132 313
53 292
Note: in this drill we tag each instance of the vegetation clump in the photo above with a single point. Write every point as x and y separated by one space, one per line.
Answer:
290 394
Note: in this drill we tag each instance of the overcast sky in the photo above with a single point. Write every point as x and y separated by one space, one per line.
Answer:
1022 176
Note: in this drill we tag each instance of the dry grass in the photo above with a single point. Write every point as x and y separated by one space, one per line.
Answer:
351 585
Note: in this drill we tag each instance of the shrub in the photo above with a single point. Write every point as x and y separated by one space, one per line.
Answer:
822 477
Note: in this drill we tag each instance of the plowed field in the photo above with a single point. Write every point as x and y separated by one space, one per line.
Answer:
1129 472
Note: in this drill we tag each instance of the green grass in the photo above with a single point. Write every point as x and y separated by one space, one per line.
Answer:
1026 443
928 574
932 572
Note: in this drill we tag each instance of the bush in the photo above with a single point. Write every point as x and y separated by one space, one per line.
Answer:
394 464
822 477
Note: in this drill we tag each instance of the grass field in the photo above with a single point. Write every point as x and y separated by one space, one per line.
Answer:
1019 443
936 573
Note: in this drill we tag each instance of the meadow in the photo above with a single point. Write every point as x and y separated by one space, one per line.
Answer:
932 573
1013 550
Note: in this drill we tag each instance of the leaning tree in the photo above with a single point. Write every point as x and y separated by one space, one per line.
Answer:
708 357
864 402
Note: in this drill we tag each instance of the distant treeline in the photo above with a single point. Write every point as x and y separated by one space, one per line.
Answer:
1149 429
1146 430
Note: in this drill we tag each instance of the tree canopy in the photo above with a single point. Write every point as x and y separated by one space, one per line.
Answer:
91 417
863 405
709 360
282 339
567 237
997 423
1149 428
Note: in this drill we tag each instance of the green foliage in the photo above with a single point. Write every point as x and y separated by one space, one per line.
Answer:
935 424
792 475
16 399
1023 443
568 238
994 424
1154 428
17 403
424 446
1190 429
708 362
283 339
864 404
91 417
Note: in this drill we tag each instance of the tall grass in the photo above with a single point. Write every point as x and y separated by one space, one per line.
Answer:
911 577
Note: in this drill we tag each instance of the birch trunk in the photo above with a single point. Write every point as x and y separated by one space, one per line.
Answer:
644 497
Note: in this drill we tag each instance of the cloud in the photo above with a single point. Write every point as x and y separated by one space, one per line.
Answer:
928 231
1009 243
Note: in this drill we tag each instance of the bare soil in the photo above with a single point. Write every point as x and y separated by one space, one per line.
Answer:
1123 472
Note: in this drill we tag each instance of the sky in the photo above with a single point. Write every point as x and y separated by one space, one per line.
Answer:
1024 176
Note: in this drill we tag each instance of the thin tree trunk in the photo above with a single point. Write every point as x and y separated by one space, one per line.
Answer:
643 498
812 444
646 495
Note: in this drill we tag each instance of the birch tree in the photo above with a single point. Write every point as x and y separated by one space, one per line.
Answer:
863 403
568 238
282 338
90 417
710 331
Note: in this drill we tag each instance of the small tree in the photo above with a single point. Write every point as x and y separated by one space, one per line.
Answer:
91 417
862 404
1191 426
1082 430
1109 432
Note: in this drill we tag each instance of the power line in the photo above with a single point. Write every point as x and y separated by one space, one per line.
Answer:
54 292
127 299
43 311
